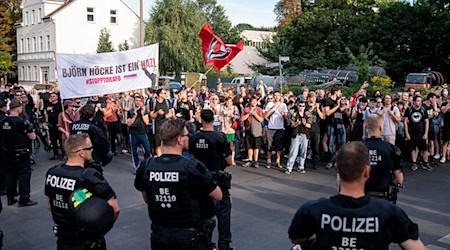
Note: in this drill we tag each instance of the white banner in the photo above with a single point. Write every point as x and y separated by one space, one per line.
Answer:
82 75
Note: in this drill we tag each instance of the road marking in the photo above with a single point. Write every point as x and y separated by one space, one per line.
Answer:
433 247
445 239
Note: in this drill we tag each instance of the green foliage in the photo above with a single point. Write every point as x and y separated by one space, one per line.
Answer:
175 24
382 84
363 61
104 43
10 13
124 46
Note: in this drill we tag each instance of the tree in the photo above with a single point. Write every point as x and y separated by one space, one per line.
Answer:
104 42
175 24
124 46
220 24
286 11
10 13
363 60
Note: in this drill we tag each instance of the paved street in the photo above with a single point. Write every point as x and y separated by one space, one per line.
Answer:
264 202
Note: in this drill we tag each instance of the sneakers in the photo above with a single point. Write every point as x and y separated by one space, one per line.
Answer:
247 164
255 164
289 171
12 201
426 166
329 165
442 160
414 166
437 157
301 171
27 203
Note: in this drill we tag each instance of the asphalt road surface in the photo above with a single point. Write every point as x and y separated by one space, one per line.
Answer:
264 203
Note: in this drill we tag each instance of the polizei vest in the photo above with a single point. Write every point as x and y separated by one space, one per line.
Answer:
170 201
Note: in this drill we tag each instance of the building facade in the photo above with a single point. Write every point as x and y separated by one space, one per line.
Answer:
253 40
68 26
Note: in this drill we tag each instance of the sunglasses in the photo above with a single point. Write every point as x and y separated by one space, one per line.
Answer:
85 149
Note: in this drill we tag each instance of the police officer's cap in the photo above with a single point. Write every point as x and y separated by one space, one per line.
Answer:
94 217
14 104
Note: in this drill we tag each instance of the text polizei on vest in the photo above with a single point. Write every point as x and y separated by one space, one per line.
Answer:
164 176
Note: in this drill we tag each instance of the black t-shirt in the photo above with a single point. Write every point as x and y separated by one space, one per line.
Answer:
315 119
335 117
138 127
345 222
98 137
165 106
61 182
211 148
446 117
53 110
45 98
384 159
416 120
184 107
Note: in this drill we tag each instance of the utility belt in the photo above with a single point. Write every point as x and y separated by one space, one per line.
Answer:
222 178
378 194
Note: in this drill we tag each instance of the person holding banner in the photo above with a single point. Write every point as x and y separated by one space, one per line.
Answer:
137 121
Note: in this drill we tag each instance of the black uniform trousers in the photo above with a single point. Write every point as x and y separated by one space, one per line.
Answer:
71 244
113 130
224 218
55 137
166 238
315 146
19 170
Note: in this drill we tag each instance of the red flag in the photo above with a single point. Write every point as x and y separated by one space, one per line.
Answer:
215 51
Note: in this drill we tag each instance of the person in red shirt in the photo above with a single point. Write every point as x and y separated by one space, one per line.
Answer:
111 119
65 118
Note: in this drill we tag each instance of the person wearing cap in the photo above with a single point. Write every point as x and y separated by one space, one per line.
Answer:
16 135
358 116
65 118
69 187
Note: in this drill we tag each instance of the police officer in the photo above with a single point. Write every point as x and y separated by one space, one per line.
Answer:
69 187
175 189
16 135
213 150
385 160
2 154
352 220
101 154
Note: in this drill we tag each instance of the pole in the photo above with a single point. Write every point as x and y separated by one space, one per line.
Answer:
281 74
141 19
204 74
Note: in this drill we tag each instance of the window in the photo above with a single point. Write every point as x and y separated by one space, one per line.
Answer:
34 44
48 43
39 15
21 73
28 45
90 14
41 44
29 73
21 46
26 17
35 71
113 16
33 17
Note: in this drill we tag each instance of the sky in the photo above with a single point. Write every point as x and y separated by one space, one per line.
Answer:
255 12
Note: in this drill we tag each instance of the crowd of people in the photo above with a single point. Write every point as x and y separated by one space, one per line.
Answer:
312 125
250 121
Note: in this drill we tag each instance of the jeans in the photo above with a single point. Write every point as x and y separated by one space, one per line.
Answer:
334 133
139 140
299 146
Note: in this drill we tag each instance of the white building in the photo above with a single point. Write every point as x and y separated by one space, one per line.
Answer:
253 39
68 26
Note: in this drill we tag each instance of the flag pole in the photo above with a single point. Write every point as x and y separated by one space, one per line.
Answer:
204 74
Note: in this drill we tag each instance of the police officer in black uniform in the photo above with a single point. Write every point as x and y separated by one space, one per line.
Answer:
352 220
175 190
2 159
101 155
385 158
213 150
16 135
69 188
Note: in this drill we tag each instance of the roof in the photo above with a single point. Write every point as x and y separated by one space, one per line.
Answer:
256 35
